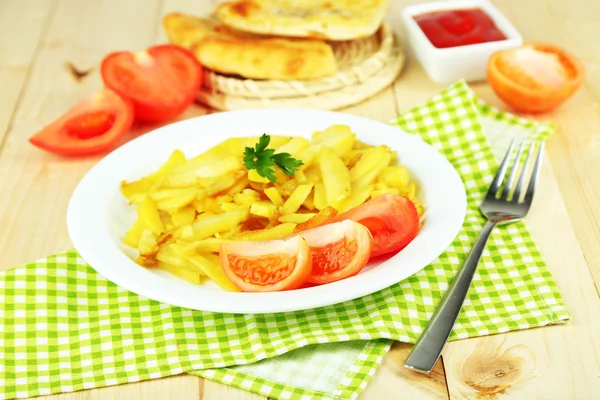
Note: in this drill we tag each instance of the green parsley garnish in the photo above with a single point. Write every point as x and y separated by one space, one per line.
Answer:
263 160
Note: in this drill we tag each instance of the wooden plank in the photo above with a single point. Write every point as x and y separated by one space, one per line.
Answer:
557 362
575 153
392 380
218 391
21 25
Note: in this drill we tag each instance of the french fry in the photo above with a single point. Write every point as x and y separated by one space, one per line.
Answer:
294 146
147 244
136 191
183 216
395 176
308 156
223 183
212 269
320 197
309 202
296 218
277 232
240 185
374 159
335 177
274 196
253 176
185 197
211 245
370 175
296 199
230 206
318 219
286 188
133 235
339 138
300 177
357 196
264 209
148 213
192 276
313 174
246 197
210 225
167 254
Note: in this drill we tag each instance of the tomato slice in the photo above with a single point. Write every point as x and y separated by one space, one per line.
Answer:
535 77
267 266
161 82
93 125
392 220
338 250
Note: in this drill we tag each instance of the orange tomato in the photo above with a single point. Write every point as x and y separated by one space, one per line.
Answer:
535 77
338 250
267 266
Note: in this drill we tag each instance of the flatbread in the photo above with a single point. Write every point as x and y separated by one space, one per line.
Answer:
325 19
227 51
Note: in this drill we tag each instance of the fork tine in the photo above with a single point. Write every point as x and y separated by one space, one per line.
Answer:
513 172
497 182
537 168
521 183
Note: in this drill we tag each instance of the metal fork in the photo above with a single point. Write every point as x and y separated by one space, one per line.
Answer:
499 208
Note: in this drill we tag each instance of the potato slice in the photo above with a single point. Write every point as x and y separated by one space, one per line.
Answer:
246 197
395 176
339 138
314 174
318 219
372 160
183 273
296 199
210 225
335 177
274 196
308 156
212 268
133 235
320 197
294 146
180 200
183 216
253 176
296 218
211 245
148 213
264 209
358 195
276 232
147 245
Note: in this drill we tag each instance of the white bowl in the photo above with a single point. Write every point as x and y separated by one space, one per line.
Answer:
448 65
98 215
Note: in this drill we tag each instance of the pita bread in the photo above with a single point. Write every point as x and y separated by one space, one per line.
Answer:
324 19
224 50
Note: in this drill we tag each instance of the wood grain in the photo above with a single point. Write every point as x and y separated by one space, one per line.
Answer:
49 54
25 20
558 362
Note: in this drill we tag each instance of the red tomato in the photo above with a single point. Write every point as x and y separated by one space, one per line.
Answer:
392 220
93 125
161 82
338 250
267 266
535 77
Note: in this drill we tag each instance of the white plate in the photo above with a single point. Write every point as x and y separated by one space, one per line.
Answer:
98 215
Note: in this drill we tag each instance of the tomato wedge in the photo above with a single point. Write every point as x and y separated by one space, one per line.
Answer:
267 266
392 220
161 82
93 125
338 250
535 77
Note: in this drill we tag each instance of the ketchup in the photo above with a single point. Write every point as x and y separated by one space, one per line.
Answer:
452 28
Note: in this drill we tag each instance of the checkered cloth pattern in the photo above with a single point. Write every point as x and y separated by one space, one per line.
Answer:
63 327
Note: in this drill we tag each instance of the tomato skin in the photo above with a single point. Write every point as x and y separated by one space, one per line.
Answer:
338 251
536 77
160 82
392 220
68 135
250 258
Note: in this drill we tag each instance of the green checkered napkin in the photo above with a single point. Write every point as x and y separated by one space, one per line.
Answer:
63 327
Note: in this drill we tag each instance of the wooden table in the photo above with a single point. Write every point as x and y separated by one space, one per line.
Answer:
49 56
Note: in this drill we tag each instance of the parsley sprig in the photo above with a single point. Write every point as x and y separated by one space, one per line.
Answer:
263 160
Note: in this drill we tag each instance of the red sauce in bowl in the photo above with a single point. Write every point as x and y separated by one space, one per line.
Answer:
452 28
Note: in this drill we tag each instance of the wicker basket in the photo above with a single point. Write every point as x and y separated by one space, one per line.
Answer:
367 66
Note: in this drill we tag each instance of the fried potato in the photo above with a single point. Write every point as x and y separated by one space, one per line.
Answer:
188 208
318 219
336 177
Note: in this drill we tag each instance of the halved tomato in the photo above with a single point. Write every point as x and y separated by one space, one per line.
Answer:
392 220
161 82
93 125
535 77
267 266
338 250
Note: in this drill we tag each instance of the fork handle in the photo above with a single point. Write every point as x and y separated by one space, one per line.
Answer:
428 348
